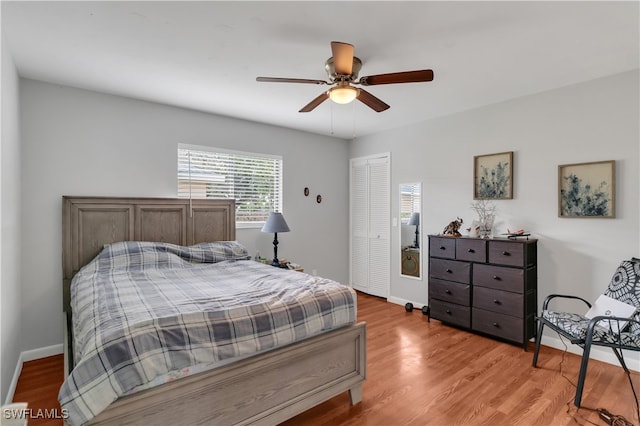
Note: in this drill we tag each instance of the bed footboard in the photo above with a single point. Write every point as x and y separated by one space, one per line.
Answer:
265 389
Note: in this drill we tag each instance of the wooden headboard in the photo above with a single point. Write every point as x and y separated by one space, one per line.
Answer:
88 223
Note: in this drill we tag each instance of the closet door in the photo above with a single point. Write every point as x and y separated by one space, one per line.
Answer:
379 227
370 225
359 211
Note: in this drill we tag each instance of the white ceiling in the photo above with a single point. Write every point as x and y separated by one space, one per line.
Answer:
206 55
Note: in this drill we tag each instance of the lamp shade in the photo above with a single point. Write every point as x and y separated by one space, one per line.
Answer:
414 219
275 223
343 94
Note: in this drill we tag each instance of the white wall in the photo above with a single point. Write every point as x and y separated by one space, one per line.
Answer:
592 121
10 305
78 142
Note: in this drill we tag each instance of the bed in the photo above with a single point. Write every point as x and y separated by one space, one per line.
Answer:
266 388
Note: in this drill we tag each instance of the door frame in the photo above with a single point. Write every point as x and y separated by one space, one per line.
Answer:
387 156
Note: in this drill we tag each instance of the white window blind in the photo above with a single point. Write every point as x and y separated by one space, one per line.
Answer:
253 180
409 201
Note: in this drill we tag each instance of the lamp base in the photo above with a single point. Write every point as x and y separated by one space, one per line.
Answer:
275 261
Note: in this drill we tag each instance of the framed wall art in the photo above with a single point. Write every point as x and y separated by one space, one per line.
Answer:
493 176
587 190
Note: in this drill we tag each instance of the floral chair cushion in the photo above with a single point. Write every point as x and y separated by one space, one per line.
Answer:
575 325
625 287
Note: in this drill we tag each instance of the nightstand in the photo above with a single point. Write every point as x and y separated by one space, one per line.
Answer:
293 267
285 264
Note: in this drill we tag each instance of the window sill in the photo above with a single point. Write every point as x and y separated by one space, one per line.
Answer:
249 225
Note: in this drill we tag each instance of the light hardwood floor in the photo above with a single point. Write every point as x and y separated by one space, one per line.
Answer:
425 373
38 385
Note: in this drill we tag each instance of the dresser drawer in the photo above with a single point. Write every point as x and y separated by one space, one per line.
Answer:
442 247
471 249
450 270
451 313
498 277
449 292
506 253
500 325
503 302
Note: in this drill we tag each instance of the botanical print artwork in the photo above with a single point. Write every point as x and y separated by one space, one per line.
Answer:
494 183
581 199
587 189
493 176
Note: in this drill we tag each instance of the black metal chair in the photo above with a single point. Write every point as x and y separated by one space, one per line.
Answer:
598 331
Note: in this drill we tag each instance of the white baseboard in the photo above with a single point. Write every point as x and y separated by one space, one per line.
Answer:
42 352
631 358
14 381
399 301
29 355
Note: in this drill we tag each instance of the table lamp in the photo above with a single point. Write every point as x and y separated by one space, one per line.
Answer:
415 220
275 223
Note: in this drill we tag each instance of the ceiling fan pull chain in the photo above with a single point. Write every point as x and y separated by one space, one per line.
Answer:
353 111
331 107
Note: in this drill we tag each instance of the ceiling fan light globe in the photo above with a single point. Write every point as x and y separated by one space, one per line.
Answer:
343 95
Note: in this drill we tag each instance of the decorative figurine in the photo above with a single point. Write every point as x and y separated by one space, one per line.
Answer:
518 233
452 228
474 229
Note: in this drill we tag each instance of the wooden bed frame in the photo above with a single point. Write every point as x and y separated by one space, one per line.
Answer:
267 388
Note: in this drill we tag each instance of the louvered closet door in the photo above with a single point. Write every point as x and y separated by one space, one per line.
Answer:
370 228
359 210
379 251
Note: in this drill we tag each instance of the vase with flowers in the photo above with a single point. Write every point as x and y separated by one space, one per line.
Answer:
486 212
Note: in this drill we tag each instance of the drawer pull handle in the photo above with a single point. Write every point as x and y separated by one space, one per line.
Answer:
448 311
448 270
471 251
447 291
443 248
497 302
497 278
495 324
506 253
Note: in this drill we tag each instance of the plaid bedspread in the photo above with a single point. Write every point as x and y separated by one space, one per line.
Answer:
141 310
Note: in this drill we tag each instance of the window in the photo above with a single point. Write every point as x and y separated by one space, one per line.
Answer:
409 201
253 180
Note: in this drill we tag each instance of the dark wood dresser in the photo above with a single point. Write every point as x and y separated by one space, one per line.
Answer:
485 285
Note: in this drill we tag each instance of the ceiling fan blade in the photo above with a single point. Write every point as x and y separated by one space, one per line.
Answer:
397 77
342 57
371 101
290 80
314 103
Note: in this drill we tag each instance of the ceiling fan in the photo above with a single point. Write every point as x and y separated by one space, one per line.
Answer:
343 69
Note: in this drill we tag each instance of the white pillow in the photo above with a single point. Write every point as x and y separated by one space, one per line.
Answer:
609 307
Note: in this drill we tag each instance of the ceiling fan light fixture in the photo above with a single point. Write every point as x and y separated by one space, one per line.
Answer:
343 69
343 94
